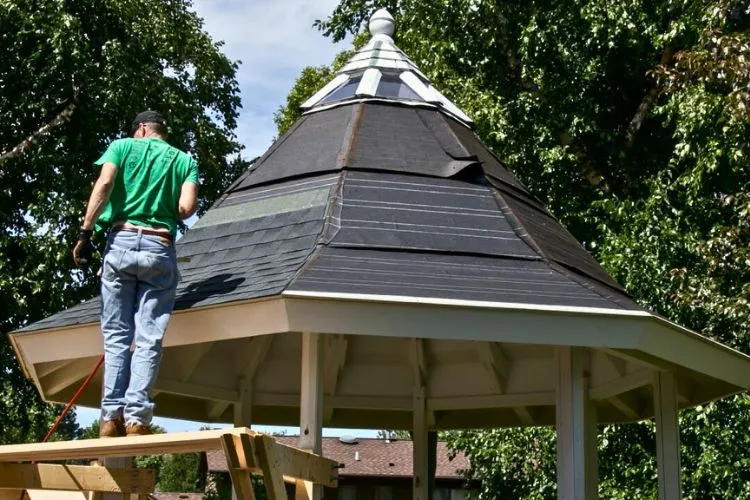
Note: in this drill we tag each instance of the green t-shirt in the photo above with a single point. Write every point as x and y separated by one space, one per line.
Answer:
150 174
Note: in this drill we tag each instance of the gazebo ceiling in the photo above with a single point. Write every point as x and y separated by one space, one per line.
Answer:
383 222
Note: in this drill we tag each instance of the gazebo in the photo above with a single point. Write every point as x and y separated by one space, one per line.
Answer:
378 267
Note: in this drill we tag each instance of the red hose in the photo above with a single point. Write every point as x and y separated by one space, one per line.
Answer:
69 406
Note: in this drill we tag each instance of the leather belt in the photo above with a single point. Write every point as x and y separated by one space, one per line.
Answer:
142 230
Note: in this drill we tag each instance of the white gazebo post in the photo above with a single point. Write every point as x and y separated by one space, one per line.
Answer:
667 436
311 407
420 421
420 479
576 428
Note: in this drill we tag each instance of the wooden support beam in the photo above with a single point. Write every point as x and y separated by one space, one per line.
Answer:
217 408
75 478
493 358
576 427
620 385
190 360
66 376
524 415
156 444
336 350
619 365
237 462
198 391
270 464
243 407
667 436
627 405
258 351
44 369
311 404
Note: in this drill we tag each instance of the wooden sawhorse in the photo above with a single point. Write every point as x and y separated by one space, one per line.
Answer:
246 452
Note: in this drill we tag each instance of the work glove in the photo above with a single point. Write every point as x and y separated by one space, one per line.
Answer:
84 249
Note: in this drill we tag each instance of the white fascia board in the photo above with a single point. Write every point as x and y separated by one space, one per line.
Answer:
683 347
191 326
339 80
404 299
369 83
411 317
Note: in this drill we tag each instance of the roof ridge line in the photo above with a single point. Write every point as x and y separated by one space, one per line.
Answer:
526 237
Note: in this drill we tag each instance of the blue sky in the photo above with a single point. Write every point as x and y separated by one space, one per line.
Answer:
274 39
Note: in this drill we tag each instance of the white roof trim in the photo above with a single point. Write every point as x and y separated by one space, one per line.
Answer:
369 83
339 80
429 94
359 99
403 299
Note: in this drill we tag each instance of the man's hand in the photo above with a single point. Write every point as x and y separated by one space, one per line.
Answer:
84 250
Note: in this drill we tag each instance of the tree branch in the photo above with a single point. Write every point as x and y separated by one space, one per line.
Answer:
62 117
646 104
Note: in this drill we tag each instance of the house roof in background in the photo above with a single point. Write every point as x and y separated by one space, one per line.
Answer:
377 458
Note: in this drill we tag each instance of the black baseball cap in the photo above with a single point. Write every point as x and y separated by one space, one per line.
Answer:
147 117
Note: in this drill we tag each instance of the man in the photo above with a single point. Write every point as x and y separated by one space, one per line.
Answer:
144 187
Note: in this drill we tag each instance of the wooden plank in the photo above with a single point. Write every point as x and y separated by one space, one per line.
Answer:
303 490
302 464
76 478
178 442
269 461
11 494
241 484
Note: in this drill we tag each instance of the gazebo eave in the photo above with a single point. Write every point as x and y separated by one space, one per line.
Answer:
633 335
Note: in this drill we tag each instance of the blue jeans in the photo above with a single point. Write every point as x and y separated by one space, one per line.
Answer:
139 279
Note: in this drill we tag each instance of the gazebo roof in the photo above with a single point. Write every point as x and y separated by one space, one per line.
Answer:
386 223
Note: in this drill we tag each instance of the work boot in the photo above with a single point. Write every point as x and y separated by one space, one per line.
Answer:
112 428
138 430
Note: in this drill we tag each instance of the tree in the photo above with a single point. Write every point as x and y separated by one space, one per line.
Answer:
630 121
74 74
174 472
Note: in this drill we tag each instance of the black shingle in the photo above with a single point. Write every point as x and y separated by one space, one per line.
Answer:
389 199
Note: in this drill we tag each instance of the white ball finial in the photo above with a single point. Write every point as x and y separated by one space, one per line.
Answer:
381 23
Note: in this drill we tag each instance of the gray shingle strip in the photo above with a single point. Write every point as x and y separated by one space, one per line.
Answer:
399 211
284 188
494 279
226 266
253 209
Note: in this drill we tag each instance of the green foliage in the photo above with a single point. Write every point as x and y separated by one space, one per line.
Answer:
174 472
74 74
629 120
505 471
